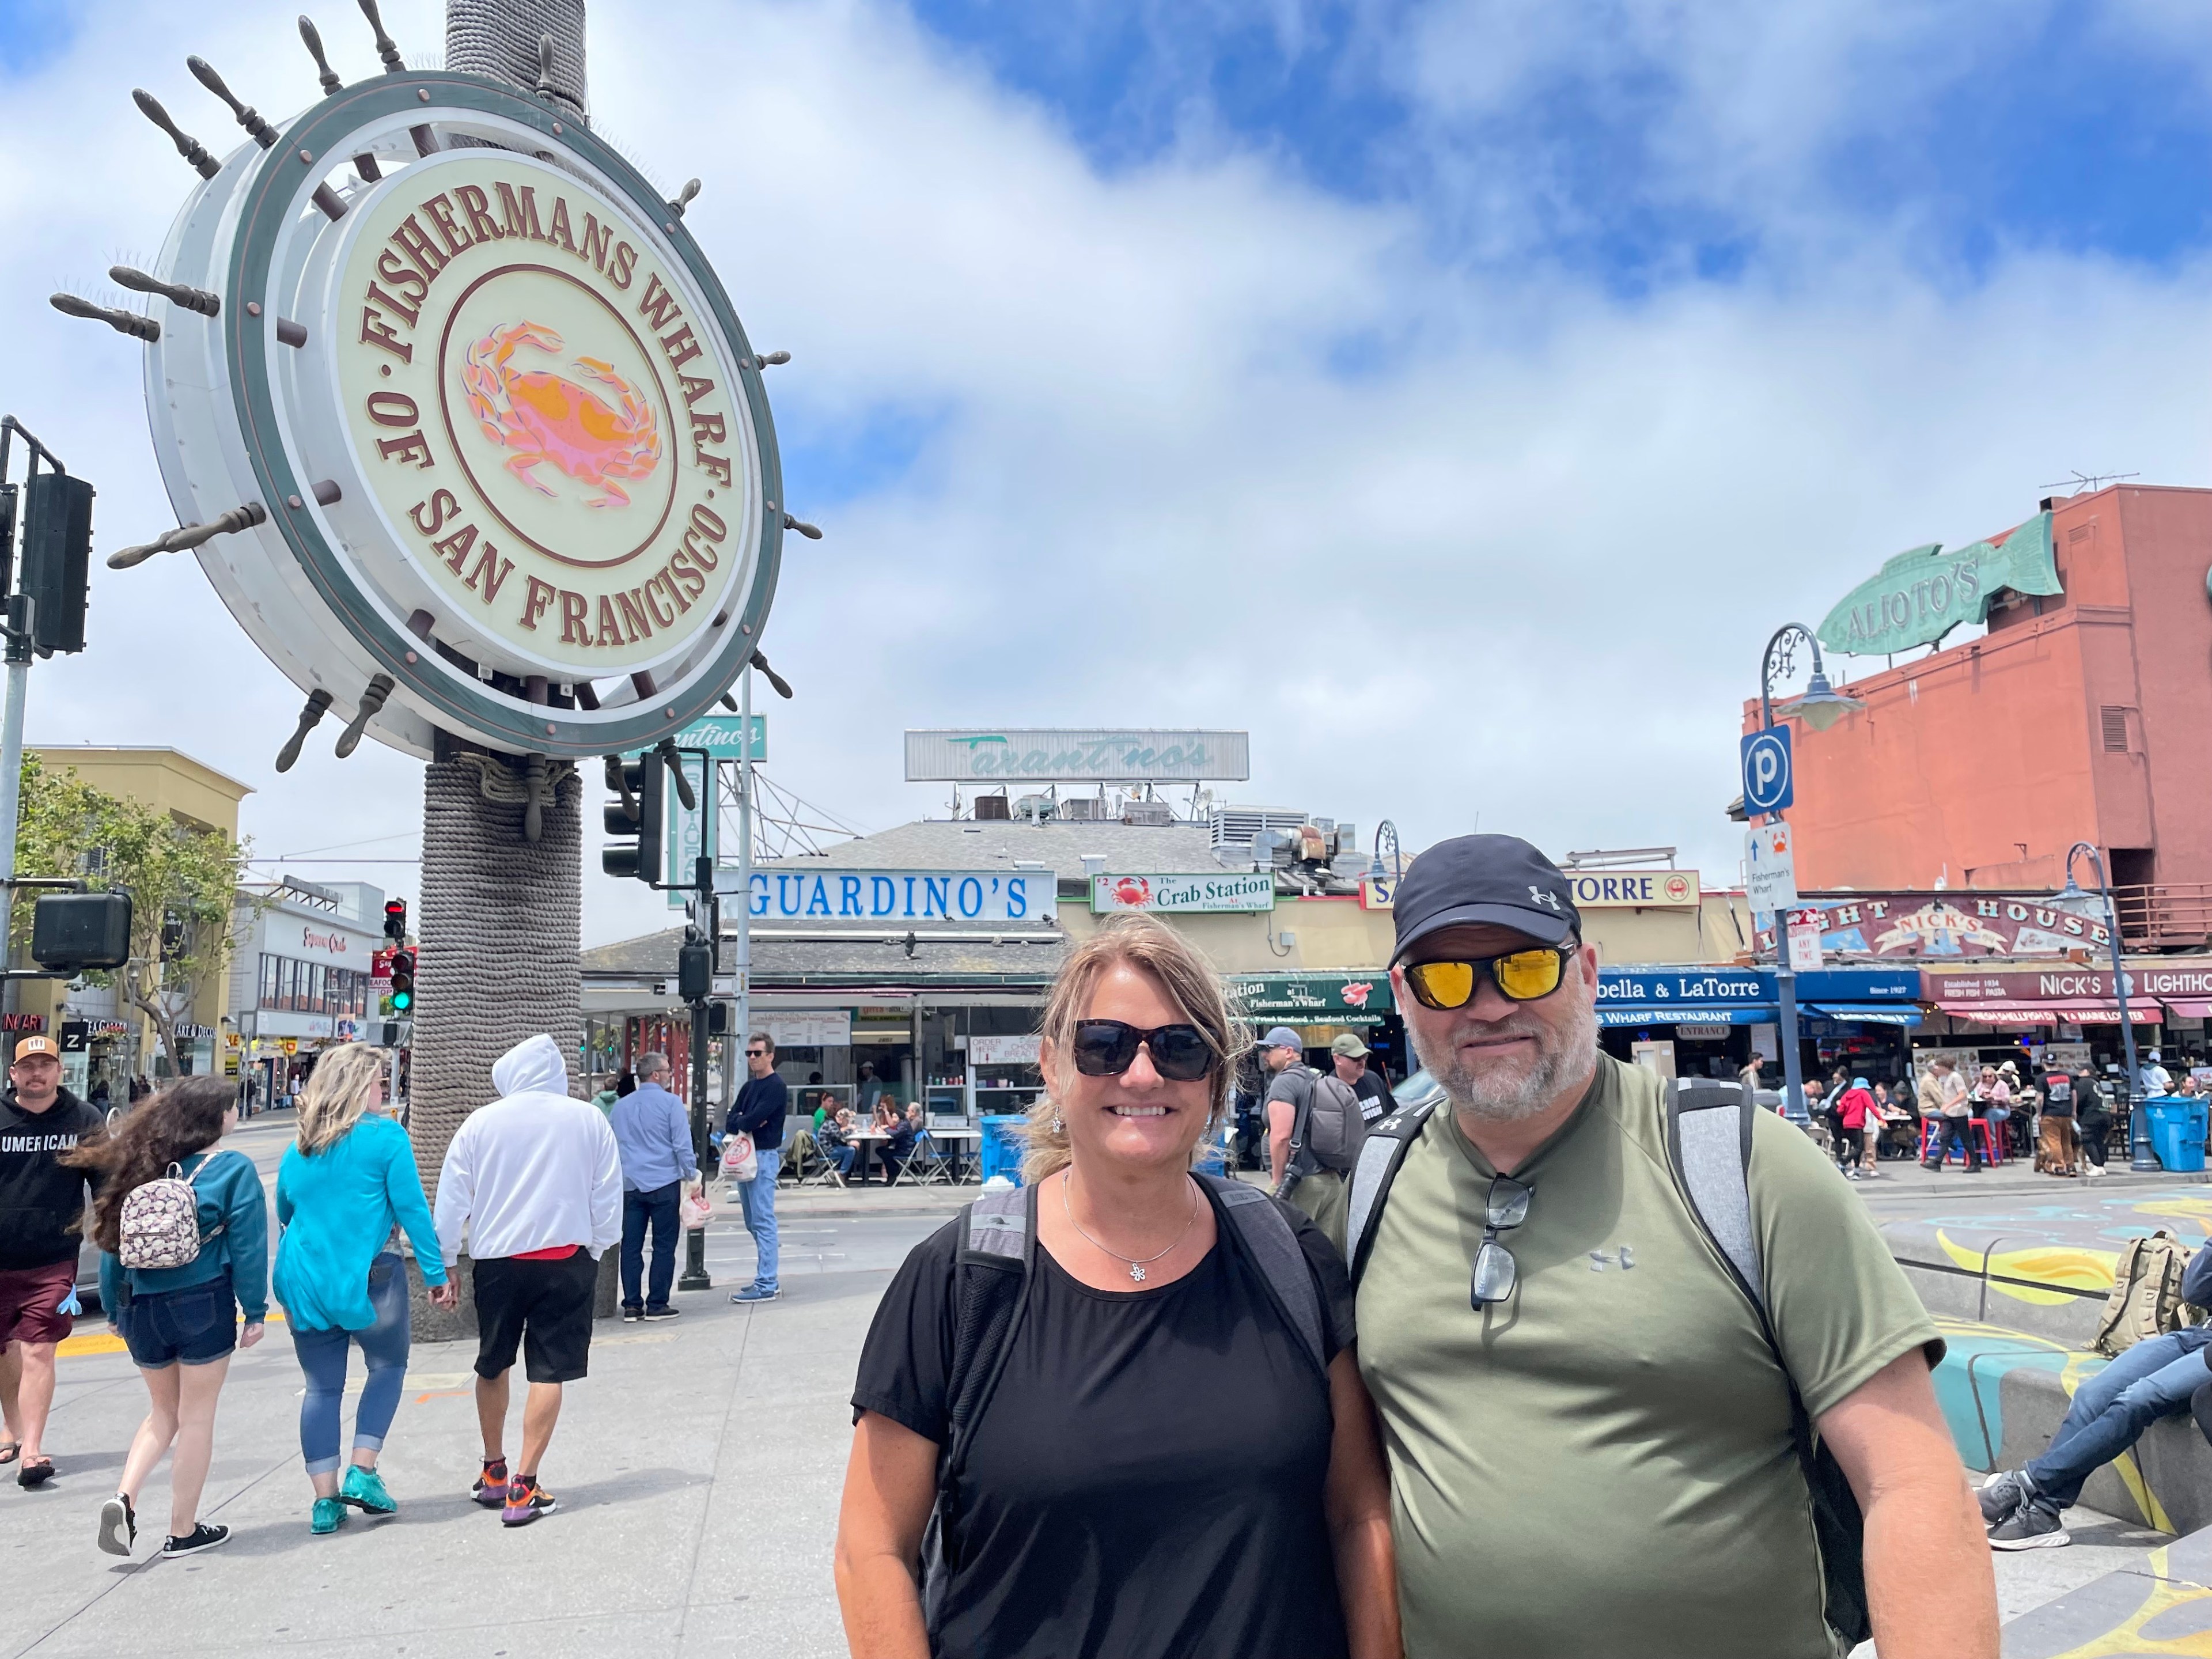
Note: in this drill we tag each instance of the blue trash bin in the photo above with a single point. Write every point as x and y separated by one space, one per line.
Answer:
1004 1143
2178 1125
1210 1159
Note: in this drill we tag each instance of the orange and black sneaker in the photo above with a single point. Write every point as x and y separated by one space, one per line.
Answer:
491 1486
525 1501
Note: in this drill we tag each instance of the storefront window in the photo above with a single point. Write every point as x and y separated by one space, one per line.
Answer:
271 990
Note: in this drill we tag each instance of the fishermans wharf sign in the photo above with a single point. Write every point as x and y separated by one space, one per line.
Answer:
1921 595
509 441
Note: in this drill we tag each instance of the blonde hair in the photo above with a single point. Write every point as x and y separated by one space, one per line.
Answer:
1151 947
344 1085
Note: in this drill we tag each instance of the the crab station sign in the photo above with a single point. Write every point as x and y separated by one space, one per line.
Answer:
512 442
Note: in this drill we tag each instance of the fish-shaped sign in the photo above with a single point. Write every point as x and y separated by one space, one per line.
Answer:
1921 595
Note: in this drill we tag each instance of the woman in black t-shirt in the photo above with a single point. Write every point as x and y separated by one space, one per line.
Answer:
1162 1470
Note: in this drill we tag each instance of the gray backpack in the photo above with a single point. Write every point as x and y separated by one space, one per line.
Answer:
1334 1128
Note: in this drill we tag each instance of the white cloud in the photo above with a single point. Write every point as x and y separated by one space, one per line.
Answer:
1518 562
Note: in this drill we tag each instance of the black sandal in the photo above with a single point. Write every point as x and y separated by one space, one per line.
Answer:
10 1450
35 1474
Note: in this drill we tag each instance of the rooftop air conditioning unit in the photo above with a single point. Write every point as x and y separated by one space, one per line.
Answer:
1235 826
991 807
1154 813
1033 809
1083 809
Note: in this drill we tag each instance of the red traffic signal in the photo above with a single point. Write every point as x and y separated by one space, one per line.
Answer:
395 919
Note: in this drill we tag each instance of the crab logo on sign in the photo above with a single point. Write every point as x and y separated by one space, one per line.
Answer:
544 417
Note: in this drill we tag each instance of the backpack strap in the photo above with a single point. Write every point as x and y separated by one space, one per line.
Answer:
990 1280
1708 1126
1380 1155
1272 1244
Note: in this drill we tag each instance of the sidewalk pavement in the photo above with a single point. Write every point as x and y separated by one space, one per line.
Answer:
697 1470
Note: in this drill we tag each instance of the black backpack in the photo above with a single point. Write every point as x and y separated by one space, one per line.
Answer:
990 1285
1709 1146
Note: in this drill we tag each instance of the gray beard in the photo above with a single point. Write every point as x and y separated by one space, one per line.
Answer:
1561 1057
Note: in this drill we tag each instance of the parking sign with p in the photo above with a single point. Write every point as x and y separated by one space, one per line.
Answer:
1767 777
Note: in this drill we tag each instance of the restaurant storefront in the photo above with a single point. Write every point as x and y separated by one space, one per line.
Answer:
1708 1022
2015 1005
1321 1005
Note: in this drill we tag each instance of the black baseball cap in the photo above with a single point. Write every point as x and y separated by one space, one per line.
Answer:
1499 880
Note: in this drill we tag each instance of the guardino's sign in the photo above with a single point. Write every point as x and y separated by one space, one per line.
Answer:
1922 595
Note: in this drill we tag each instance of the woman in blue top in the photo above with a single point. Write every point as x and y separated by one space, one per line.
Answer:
179 1324
346 1183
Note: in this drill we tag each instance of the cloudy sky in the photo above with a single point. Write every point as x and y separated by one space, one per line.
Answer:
1455 395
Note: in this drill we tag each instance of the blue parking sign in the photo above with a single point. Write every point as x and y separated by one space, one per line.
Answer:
1767 785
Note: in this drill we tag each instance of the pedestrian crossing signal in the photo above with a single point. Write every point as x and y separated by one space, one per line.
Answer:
403 981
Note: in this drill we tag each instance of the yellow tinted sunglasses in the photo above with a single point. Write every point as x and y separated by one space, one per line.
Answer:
1523 977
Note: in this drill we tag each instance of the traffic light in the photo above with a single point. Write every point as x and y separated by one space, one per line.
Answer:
57 553
695 972
395 919
403 981
639 785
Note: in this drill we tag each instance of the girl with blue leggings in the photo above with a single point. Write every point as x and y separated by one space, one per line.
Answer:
346 1186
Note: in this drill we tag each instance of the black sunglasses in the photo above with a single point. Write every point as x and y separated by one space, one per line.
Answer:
1496 1273
1108 1047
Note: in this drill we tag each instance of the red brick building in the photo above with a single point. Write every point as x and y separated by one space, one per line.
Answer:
2085 715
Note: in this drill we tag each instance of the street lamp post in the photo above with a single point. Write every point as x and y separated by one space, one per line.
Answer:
1819 706
2142 1158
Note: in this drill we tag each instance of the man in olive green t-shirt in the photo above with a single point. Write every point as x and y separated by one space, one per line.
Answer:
1589 1443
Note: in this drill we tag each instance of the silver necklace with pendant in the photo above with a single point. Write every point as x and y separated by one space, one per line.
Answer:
1136 1265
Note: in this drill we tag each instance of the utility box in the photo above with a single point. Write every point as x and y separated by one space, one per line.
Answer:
74 931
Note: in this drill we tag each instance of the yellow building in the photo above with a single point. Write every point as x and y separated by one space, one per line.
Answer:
115 1041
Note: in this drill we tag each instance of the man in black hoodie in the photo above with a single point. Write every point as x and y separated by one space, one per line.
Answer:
39 1202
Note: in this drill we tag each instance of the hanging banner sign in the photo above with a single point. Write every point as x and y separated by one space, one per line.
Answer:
1920 596
1247 891
1917 925
693 832
901 895
2051 986
1313 998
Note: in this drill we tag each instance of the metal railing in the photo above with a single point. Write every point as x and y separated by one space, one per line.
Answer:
2165 916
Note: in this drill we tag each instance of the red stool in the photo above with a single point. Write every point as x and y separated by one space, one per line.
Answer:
1931 1136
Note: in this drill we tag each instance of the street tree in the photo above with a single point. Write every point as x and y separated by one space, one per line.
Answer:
182 879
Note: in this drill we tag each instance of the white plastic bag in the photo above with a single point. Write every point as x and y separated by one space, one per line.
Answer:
739 1162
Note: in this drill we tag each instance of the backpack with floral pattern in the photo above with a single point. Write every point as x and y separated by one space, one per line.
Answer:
160 1223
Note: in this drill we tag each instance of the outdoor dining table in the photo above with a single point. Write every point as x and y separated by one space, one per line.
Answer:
864 1143
961 1147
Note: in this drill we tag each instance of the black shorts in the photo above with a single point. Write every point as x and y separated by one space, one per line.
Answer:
542 1307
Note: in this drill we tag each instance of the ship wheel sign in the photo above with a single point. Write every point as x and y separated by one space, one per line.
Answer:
462 425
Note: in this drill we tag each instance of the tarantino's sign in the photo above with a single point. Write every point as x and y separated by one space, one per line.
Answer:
545 421
1923 924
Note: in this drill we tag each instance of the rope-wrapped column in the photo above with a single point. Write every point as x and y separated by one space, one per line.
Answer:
499 38
501 923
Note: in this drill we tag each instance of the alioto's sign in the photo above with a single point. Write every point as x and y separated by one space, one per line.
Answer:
510 441
1921 595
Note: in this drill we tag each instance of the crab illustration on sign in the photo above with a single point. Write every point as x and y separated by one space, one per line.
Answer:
1356 992
1133 892
544 416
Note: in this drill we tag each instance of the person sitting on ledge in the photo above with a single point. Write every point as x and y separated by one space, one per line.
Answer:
2155 1378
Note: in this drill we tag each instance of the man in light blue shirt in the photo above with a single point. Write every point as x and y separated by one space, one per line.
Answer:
657 1159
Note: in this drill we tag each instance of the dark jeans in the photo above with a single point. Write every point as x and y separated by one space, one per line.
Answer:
2152 1379
657 1206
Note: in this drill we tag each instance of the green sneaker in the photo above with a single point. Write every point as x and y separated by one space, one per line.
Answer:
364 1489
330 1515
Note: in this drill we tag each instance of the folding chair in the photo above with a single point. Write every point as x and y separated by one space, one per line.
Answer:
926 1164
813 1164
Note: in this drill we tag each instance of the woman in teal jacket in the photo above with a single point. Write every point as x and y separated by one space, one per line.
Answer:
179 1324
346 1183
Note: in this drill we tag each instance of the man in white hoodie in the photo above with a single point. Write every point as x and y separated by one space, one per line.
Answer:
534 1181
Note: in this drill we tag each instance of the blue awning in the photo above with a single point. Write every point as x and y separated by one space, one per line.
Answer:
1869 1014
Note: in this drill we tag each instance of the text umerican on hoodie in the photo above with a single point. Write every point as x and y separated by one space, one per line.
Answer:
533 1171
40 1200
